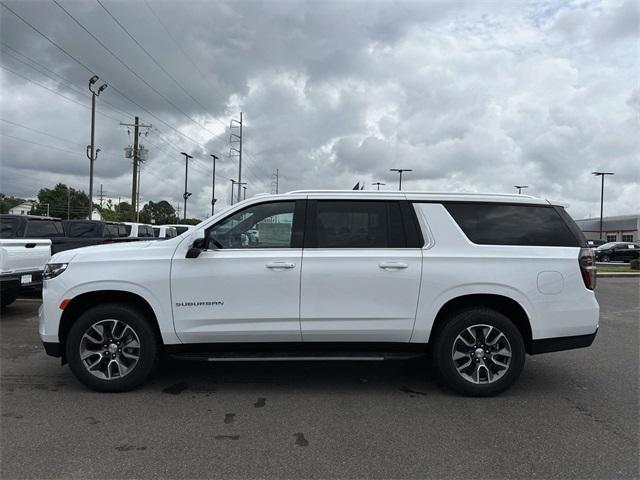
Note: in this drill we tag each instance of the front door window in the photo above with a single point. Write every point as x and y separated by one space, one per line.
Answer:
267 225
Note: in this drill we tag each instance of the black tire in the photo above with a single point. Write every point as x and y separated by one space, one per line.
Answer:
148 351
7 298
444 344
605 258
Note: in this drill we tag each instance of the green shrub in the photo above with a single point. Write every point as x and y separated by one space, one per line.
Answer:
635 264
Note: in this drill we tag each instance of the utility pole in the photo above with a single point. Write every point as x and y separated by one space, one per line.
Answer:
377 184
400 170
186 194
135 154
213 185
235 139
92 153
277 180
520 188
101 195
602 175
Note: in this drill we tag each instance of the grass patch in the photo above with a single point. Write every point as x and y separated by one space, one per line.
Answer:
609 269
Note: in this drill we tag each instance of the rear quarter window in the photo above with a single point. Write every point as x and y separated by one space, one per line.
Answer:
8 228
111 230
500 224
81 230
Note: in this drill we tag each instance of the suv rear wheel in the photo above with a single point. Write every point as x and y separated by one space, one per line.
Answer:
479 352
112 348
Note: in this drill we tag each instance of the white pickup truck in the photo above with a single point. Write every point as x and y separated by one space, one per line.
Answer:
22 261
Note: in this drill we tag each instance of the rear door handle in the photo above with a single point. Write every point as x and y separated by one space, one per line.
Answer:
279 265
392 265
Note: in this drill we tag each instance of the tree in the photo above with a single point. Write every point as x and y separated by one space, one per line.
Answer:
63 202
190 221
7 203
159 212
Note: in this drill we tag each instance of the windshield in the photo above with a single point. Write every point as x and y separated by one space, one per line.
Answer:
606 246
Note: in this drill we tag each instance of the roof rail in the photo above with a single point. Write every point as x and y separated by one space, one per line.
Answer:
414 192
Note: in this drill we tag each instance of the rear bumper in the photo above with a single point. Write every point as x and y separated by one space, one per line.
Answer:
546 345
13 281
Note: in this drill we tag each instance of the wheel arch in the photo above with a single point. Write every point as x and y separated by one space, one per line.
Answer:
500 303
81 303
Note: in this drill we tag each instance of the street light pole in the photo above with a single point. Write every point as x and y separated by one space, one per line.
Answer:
377 184
186 194
400 170
92 154
233 185
213 185
602 175
520 188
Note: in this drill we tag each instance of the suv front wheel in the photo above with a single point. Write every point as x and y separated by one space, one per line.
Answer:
112 348
479 352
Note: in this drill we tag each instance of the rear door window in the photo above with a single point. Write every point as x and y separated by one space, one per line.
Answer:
44 229
502 224
355 224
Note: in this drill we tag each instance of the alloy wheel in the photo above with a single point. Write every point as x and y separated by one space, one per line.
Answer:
481 354
109 349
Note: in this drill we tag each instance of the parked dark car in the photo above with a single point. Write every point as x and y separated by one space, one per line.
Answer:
64 234
595 243
30 226
83 233
618 252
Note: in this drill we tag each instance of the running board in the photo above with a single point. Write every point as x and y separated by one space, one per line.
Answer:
295 356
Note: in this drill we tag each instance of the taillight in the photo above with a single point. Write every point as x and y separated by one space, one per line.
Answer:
587 267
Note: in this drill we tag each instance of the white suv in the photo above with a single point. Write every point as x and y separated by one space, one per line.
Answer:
477 281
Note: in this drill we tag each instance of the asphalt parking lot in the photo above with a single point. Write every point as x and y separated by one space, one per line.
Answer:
571 415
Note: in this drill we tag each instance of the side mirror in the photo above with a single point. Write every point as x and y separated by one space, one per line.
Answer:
198 245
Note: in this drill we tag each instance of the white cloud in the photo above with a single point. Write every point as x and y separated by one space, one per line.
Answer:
471 95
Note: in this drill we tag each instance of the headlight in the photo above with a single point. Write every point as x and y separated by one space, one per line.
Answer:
52 270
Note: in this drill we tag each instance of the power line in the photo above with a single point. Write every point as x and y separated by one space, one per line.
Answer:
40 132
54 91
48 39
40 144
186 54
160 94
114 88
150 56
70 85
88 69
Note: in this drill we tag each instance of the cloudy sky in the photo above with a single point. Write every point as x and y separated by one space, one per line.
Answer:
473 96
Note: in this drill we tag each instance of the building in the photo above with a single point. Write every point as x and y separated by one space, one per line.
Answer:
623 228
23 209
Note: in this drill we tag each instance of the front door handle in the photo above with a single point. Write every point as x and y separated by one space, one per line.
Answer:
279 265
392 265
